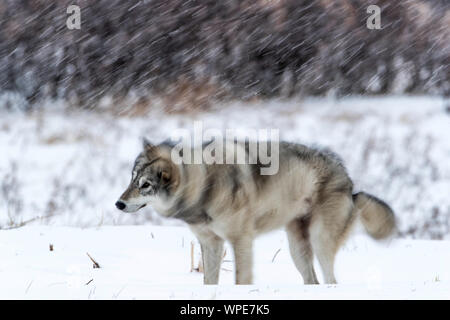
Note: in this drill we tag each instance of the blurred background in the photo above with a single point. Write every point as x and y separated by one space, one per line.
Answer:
74 103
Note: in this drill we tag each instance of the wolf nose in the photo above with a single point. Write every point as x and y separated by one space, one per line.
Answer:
120 205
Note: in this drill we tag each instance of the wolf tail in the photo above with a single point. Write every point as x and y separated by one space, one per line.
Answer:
376 216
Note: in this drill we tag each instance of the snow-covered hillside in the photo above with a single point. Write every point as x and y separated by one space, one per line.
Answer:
153 262
59 167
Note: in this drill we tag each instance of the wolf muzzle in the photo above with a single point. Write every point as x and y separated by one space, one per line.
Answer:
128 208
120 205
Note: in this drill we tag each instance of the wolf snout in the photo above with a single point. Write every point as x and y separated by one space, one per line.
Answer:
120 205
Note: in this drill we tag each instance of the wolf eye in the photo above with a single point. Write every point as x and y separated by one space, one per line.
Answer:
145 185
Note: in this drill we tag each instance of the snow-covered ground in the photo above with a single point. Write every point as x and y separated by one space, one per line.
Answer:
67 168
153 262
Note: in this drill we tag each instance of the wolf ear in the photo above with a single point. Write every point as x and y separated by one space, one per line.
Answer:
146 144
149 148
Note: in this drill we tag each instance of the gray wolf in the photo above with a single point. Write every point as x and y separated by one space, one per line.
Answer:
311 197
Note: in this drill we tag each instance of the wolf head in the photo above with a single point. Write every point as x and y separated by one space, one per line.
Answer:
155 177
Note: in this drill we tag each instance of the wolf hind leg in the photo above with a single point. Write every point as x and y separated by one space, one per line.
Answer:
329 228
300 249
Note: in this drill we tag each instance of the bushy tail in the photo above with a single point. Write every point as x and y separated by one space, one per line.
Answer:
377 217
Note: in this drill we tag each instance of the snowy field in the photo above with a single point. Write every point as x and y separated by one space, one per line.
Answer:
153 262
67 168
61 172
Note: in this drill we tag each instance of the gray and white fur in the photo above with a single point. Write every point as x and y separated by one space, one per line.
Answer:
311 197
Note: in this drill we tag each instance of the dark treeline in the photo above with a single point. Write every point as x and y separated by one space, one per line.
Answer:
235 49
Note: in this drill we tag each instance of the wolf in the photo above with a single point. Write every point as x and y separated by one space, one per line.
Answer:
311 197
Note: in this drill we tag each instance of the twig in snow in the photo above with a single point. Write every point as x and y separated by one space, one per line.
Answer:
23 223
51 247
91 292
116 295
200 262
276 253
95 263
28 288
200 266
89 282
192 256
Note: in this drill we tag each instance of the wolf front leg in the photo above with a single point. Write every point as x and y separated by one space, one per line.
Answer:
212 254
243 259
